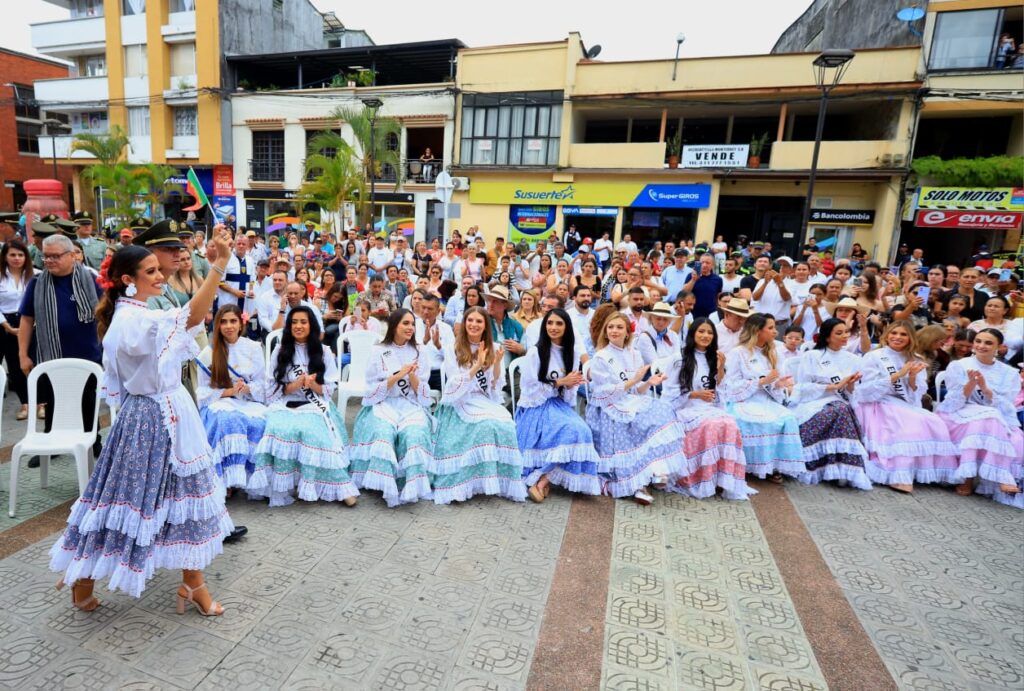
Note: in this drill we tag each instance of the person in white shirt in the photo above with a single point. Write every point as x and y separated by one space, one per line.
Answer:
815 274
457 303
719 248
734 316
434 335
630 245
580 314
271 305
241 270
448 261
658 340
603 250
295 295
636 299
520 270
730 279
379 257
770 294
799 286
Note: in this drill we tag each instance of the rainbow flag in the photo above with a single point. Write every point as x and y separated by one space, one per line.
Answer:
196 190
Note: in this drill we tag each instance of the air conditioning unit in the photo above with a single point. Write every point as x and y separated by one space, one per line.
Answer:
460 184
885 160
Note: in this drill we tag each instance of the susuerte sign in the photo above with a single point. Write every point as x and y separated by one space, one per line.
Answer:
560 195
715 156
970 220
844 217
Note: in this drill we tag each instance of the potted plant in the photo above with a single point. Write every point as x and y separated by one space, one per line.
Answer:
756 147
674 147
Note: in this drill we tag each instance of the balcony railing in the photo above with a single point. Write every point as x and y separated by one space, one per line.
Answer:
414 172
266 169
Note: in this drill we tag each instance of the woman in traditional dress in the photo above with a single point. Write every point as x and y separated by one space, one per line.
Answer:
304 444
475 448
825 380
231 396
153 499
636 436
756 393
712 441
905 442
391 444
979 411
557 445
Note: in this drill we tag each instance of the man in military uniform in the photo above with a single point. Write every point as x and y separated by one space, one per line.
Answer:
199 263
41 230
8 226
94 249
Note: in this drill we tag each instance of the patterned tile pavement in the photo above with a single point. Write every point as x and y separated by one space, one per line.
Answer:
937 580
697 602
33 499
320 596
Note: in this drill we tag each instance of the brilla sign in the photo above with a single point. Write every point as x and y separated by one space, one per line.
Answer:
715 156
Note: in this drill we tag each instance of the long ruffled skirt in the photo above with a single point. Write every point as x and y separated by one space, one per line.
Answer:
832 447
472 458
299 454
713 443
556 442
989 449
906 445
771 438
137 515
392 459
637 453
233 436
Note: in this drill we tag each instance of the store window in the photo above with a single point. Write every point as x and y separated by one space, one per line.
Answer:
645 226
81 9
517 129
135 61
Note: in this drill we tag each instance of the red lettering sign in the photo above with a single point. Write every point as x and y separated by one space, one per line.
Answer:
973 220
223 181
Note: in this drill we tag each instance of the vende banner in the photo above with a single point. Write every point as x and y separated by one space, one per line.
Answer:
974 220
715 156
969 198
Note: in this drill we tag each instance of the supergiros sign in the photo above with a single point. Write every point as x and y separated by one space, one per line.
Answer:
972 198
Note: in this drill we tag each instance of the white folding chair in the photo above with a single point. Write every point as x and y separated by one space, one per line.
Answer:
940 381
68 377
513 370
359 345
273 338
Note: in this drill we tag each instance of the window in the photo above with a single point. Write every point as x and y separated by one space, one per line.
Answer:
28 137
182 6
131 7
94 122
86 8
25 102
185 121
267 156
183 59
138 121
511 129
964 40
135 60
91 66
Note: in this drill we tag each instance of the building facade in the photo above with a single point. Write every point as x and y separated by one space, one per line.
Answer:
156 69
549 138
844 24
23 124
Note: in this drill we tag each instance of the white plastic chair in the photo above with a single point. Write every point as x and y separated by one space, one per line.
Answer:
513 370
940 381
68 377
359 345
273 338
585 370
435 395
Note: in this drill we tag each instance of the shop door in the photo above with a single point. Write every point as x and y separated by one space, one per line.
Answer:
592 227
768 219
435 211
254 218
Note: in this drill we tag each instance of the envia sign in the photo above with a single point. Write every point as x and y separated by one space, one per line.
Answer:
976 220
715 156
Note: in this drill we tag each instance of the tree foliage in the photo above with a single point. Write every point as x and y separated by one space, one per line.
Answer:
995 171
385 131
333 176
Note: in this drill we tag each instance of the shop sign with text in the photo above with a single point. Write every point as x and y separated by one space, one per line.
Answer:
224 181
968 198
715 156
843 217
608 194
971 220
530 223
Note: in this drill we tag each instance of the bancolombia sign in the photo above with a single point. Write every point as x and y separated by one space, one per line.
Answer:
977 220
667 196
969 198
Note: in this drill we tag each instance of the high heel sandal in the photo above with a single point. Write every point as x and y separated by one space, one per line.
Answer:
215 608
85 604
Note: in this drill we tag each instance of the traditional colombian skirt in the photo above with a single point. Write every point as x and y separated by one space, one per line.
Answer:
556 442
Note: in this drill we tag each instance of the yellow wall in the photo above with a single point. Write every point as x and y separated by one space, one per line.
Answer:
836 154
638 155
208 76
116 114
161 124
530 67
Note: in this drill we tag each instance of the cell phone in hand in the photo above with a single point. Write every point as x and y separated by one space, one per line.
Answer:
923 292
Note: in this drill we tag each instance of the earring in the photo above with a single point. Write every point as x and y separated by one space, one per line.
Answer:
131 290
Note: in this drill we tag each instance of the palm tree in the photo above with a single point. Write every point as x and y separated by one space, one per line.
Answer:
111 174
150 183
332 175
384 132
105 148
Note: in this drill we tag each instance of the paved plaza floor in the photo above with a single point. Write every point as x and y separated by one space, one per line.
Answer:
801 588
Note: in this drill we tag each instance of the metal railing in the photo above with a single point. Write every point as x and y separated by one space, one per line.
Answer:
266 169
414 172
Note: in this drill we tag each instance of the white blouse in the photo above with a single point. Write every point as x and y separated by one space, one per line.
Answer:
816 370
1002 380
876 386
386 360
610 369
299 365
245 362
476 397
11 292
534 393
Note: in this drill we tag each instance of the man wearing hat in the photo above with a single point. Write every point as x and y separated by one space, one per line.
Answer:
188 239
660 338
8 226
40 231
572 239
94 249
124 238
505 330
734 316
164 241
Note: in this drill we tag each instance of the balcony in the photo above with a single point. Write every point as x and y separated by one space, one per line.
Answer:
266 170
417 172
840 155
78 93
181 91
619 155
180 27
62 145
69 37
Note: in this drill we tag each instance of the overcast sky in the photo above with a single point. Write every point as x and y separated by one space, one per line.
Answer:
640 29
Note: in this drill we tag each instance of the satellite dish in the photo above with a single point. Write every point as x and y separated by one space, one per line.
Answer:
910 14
594 52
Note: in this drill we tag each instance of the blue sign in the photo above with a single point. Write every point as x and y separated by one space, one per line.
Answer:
696 196
590 211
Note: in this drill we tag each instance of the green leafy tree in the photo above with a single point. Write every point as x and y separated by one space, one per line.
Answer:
385 131
333 175
994 171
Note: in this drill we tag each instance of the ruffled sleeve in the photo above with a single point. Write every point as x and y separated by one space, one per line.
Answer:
496 388
423 374
670 389
606 388
257 367
205 394
1005 391
331 374
457 383
164 337
811 383
376 378
534 392
956 379
739 383
271 391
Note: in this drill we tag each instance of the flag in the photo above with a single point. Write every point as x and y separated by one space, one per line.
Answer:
196 190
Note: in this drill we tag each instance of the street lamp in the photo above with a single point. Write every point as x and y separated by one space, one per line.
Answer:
679 44
52 127
829 68
374 105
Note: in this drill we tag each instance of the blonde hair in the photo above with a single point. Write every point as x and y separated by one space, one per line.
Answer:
520 314
463 350
912 349
602 338
748 337
597 321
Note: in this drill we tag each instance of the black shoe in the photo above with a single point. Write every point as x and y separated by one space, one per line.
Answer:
33 462
238 532
97 448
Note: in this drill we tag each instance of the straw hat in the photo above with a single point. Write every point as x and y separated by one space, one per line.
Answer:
848 302
660 309
739 307
498 293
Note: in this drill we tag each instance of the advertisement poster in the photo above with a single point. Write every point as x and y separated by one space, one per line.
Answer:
222 208
224 181
530 223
